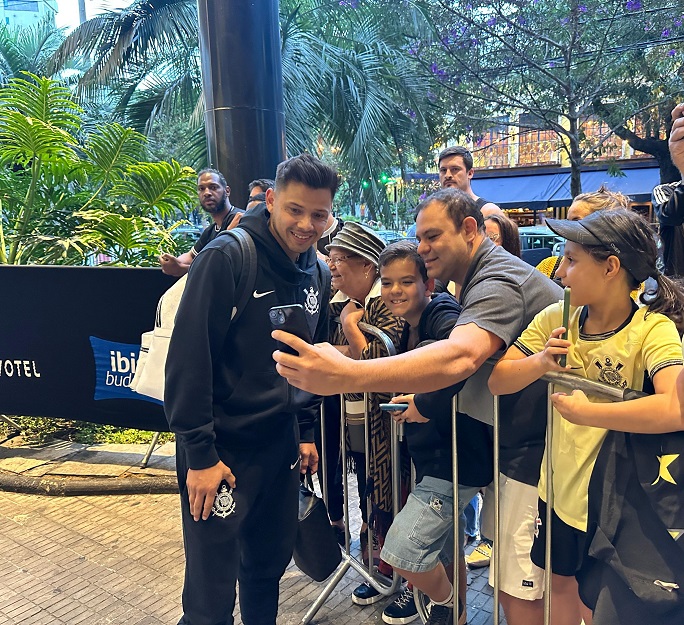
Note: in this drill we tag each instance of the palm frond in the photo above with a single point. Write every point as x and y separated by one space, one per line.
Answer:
112 149
167 188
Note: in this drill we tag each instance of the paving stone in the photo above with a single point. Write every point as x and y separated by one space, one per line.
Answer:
19 465
119 559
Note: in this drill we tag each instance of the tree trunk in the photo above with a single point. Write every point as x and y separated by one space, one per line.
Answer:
81 12
575 158
655 147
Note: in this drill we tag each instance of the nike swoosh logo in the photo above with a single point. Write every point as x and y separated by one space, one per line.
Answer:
258 295
292 466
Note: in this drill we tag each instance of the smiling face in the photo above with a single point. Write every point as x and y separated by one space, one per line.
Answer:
453 173
298 216
444 248
348 271
212 194
403 290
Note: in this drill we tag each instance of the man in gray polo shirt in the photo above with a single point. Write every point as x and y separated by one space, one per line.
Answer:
500 295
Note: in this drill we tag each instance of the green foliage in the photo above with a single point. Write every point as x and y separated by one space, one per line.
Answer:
493 59
36 430
29 49
68 192
349 83
166 187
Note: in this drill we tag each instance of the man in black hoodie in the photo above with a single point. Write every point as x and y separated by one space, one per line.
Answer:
238 424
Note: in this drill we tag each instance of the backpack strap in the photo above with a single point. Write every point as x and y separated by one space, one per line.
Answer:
248 271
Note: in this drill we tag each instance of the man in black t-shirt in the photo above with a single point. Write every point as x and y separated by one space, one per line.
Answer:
214 193
456 170
668 202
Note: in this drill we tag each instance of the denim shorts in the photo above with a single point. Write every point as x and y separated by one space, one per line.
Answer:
422 533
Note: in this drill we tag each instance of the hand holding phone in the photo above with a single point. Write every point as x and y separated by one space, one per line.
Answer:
290 318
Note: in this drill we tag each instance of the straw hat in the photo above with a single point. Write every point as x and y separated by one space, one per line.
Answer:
360 240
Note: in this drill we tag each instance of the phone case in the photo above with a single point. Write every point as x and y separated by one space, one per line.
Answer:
290 318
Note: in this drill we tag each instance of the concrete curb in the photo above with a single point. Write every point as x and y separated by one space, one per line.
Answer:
77 486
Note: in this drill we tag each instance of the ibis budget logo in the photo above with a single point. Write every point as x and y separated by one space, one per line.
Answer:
114 369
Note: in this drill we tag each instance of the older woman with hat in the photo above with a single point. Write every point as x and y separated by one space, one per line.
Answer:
353 261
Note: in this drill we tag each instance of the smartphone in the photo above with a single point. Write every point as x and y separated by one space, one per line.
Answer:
290 318
399 407
563 360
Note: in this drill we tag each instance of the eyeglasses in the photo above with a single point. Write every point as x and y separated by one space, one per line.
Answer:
338 260
494 236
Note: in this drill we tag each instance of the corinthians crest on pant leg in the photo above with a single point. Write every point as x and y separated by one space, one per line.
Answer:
224 504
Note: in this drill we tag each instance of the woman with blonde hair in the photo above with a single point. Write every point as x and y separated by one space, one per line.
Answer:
582 206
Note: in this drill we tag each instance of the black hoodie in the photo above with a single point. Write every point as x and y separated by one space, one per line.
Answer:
222 389
430 443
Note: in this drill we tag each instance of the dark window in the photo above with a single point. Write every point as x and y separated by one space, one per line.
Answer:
20 5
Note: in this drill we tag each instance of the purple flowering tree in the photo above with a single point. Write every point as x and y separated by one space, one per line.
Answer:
560 64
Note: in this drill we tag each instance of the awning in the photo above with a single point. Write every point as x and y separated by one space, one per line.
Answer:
538 191
636 183
530 191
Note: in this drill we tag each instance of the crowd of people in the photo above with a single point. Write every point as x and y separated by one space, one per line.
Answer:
245 425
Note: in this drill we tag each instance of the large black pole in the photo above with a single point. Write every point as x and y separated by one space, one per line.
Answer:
243 90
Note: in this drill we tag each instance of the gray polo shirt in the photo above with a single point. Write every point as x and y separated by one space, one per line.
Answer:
502 294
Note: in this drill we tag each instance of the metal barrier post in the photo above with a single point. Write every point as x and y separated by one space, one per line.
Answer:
457 536
349 561
367 461
496 539
324 481
549 505
150 449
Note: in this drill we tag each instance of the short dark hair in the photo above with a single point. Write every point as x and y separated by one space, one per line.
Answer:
458 205
263 183
257 197
510 237
309 171
209 170
457 150
403 250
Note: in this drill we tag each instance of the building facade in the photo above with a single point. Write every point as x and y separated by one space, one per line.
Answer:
26 12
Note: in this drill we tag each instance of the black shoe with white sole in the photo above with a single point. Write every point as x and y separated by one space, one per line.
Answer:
402 610
365 594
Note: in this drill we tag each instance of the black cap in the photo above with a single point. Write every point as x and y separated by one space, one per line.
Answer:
598 230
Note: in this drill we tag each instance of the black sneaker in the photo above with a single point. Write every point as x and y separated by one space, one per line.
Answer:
444 615
402 610
365 594
440 615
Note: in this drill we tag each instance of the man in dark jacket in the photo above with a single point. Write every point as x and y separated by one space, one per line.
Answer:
238 424
214 197
668 201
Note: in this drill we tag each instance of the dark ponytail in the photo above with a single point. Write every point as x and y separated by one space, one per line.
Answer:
667 299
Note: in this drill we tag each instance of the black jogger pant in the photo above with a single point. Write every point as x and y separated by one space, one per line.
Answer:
252 543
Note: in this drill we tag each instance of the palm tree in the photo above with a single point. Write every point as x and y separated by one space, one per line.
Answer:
348 80
29 49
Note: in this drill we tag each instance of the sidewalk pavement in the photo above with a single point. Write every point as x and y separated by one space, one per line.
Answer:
115 556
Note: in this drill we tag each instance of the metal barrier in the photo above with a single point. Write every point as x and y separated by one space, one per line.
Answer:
566 380
349 561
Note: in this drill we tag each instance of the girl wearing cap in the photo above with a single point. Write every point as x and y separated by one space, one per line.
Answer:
353 260
582 206
610 339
